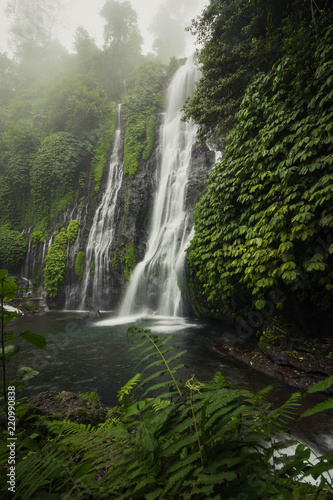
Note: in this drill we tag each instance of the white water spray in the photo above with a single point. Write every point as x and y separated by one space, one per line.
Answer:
154 282
97 258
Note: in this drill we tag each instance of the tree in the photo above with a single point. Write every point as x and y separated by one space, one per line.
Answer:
13 248
239 38
8 80
74 107
265 221
53 173
33 21
121 29
169 31
122 49
87 52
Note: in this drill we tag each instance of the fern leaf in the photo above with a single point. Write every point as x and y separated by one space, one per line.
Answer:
322 385
193 457
320 407
153 494
182 442
219 478
158 362
179 476
128 387
176 356
161 385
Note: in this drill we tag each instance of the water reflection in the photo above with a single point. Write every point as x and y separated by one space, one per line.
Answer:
85 355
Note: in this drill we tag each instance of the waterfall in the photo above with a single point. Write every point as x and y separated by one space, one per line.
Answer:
97 258
154 284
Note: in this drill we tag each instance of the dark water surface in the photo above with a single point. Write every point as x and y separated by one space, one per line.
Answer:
85 354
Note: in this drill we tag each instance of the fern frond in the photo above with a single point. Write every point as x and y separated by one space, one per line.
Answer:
161 385
180 475
126 390
322 385
286 411
320 407
182 442
60 427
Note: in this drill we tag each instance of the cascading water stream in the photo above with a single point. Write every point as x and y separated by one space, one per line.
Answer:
97 258
154 284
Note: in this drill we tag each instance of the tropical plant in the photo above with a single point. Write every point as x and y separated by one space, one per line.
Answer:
172 440
139 108
56 258
8 290
13 248
264 221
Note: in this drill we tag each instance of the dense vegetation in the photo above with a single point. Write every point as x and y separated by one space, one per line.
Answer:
58 116
265 220
165 439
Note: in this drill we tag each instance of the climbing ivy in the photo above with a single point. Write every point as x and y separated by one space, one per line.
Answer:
13 248
129 261
139 108
265 219
102 150
37 236
150 138
53 171
79 265
72 230
56 258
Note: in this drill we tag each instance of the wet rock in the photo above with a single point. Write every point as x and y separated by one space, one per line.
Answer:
298 363
69 406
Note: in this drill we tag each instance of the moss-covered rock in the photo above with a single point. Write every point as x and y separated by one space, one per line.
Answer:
69 406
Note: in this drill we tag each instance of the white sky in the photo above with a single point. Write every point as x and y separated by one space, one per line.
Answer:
86 13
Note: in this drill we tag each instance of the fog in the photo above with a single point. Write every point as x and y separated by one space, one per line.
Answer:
161 22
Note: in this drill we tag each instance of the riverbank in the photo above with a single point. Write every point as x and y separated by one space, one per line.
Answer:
297 361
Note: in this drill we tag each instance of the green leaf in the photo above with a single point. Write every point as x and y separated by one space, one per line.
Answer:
260 304
8 289
8 316
322 385
26 373
30 443
9 349
320 407
34 339
3 273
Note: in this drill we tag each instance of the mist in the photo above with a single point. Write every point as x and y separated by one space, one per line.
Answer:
161 23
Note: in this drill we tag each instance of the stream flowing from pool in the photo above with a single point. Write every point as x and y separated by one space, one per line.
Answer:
86 354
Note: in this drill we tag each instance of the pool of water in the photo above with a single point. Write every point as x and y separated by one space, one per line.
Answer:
87 354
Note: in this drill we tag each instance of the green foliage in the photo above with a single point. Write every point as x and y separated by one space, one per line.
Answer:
102 150
79 265
92 268
56 258
53 171
74 108
72 230
241 38
8 290
92 396
13 248
140 106
175 440
150 138
55 264
130 261
37 236
264 222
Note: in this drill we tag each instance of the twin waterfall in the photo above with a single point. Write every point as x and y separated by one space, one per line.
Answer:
102 229
154 283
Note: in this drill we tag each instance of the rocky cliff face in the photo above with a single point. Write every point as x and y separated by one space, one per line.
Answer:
131 224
